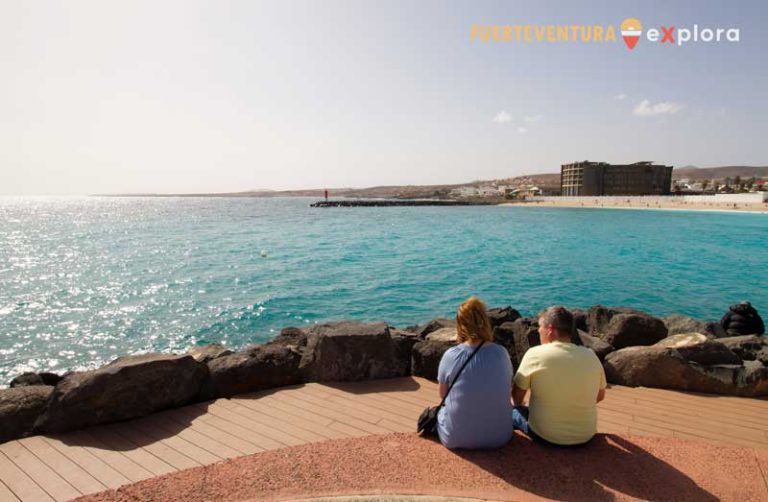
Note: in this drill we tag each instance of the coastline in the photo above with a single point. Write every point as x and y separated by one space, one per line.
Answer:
720 207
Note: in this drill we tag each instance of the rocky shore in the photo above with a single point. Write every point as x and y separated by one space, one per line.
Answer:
637 349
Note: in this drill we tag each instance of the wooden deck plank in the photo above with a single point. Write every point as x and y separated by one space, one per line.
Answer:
115 459
90 463
674 420
45 477
379 400
199 455
332 414
58 467
359 403
200 424
721 414
64 467
160 449
256 432
201 440
404 412
106 438
279 428
23 487
318 426
6 494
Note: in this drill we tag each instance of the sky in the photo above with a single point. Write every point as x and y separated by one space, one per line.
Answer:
198 96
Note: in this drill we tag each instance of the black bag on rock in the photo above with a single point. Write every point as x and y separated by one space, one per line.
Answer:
427 423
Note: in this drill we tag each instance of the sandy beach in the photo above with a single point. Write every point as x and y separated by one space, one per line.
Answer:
621 203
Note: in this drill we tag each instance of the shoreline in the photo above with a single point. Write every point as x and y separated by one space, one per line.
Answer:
714 207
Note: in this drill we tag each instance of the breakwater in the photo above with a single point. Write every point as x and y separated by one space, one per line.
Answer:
637 349
396 203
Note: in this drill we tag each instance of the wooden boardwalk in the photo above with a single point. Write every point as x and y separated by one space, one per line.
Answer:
62 467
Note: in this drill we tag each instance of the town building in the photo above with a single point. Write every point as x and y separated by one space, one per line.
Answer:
601 178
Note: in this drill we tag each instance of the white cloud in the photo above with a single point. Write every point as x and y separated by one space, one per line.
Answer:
620 97
502 117
533 118
522 130
647 109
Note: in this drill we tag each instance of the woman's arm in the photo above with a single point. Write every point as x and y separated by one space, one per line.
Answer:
442 390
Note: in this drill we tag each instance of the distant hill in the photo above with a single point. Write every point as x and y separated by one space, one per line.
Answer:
549 181
702 173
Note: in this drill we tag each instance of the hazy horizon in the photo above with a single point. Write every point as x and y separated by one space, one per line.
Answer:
191 97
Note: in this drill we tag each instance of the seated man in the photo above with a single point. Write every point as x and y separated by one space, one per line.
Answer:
566 383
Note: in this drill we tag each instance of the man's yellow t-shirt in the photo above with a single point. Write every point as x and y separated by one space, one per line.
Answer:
564 380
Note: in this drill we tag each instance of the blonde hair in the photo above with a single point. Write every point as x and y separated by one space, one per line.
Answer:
472 323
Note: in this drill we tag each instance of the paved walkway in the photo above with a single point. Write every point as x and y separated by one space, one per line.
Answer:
62 467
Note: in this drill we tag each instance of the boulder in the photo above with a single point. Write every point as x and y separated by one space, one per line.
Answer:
433 325
425 357
626 330
350 351
258 368
404 342
20 408
580 320
205 353
504 335
443 334
29 378
499 316
525 332
700 349
679 324
599 316
128 387
598 346
666 368
748 347
295 338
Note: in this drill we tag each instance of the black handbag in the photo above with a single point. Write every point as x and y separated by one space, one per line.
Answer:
427 423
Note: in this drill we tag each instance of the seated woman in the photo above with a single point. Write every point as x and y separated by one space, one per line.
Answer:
478 410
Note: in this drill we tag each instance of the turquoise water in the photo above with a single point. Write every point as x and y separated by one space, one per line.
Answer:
83 280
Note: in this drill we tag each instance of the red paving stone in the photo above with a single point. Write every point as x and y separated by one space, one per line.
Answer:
609 468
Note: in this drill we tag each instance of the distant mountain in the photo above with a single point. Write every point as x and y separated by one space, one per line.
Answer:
702 173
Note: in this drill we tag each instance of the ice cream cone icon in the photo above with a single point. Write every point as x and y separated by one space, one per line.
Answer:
631 29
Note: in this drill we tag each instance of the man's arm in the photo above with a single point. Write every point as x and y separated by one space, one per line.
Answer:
518 395
600 395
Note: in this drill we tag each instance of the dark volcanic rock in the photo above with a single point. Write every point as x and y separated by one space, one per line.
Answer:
598 346
599 316
679 324
425 357
128 387
700 349
499 316
291 337
258 368
580 320
44 378
404 342
666 368
205 353
626 330
20 409
350 351
525 332
504 335
748 347
434 325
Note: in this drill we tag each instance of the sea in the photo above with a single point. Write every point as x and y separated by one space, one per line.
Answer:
84 280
